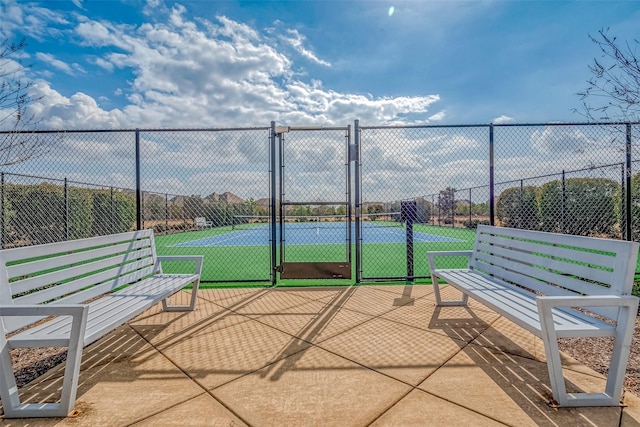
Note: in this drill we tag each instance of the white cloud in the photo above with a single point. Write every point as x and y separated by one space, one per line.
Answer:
502 119
555 139
58 64
30 19
296 40
222 73
78 111
219 73
440 115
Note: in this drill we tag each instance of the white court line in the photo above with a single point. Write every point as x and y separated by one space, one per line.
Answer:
242 234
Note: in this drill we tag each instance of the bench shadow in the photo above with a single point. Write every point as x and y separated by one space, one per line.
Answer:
521 375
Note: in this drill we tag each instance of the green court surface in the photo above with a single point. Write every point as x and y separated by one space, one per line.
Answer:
250 265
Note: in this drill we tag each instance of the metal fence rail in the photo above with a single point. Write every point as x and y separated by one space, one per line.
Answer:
408 189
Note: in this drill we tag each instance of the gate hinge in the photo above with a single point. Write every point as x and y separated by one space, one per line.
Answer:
353 153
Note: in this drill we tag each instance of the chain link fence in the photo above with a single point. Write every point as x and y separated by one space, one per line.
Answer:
188 185
564 178
314 209
215 192
440 169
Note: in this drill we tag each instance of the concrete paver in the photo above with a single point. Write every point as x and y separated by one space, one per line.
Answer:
510 389
420 409
312 388
345 356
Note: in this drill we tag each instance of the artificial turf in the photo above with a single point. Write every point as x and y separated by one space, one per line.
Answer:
250 265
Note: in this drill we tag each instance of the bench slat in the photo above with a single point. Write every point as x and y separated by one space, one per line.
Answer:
114 272
554 286
519 307
114 309
122 271
551 261
122 263
50 249
603 257
568 240
74 258
516 276
14 323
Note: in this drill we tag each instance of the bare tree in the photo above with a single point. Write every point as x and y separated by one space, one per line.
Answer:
18 142
613 91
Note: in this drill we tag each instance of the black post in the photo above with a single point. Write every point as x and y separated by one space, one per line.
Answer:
409 211
562 202
272 147
166 213
66 210
628 179
138 187
2 233
113 214
492 208
470 225
521 204
357 200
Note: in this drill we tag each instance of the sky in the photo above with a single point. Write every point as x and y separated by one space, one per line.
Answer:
126 64
133 63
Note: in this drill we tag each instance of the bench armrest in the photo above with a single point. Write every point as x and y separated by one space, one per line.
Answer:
626 306
43 310
195 258
587 301
78 312
433 254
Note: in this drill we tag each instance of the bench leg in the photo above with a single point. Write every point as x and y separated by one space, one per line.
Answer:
11 404
439 302
185 307
615 377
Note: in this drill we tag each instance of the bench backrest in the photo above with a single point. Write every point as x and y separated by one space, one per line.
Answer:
556 264
73 271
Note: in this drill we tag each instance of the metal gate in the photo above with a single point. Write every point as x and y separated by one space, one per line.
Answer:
311 217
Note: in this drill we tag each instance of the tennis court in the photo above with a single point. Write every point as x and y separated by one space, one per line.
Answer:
324 233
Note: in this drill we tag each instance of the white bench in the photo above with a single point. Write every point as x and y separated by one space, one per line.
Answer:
537 280
120 274
201 222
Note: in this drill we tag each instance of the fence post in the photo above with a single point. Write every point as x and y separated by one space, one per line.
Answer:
628 181
408 212
521 204
113 214
492 208
358 199
470 225
623 202
66 210
166 213
272 165
562 202
138 188
2 233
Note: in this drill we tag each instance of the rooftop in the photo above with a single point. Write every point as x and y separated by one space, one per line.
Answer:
345 356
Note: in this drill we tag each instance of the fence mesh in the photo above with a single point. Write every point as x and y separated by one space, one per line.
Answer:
442 170
208 192
314 196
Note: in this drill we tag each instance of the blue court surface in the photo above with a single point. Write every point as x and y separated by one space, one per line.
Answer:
306 234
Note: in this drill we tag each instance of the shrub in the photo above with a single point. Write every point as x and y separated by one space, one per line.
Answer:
585 207
517 208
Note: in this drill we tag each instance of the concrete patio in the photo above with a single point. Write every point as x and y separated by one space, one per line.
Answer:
322 356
